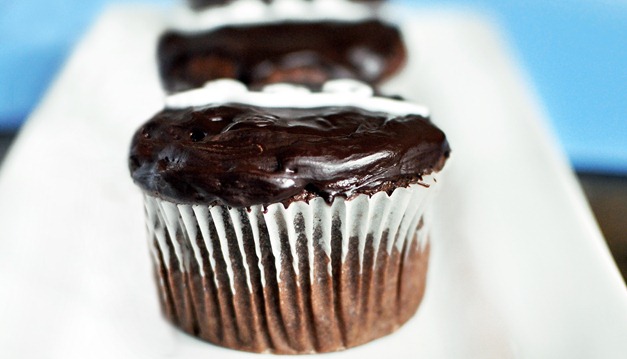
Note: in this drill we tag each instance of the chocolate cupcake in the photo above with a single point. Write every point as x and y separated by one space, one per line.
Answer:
275 45
287 221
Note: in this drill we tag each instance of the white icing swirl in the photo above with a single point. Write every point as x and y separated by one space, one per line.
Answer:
242 12
341 93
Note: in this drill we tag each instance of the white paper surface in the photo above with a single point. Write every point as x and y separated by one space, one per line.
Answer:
519 268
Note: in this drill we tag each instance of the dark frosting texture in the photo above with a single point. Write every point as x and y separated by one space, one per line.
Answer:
241 155
306 53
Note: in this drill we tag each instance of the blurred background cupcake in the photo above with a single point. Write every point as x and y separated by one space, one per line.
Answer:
295 41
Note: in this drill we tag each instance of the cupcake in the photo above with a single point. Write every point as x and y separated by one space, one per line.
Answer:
307 43
286 221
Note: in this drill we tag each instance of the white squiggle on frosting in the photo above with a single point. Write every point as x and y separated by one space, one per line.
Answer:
241 12
344 92
348 86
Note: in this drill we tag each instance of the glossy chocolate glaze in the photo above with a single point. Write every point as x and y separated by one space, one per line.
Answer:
241 155
307 53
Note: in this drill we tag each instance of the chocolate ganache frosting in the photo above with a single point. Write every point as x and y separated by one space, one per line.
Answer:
306 53
243 155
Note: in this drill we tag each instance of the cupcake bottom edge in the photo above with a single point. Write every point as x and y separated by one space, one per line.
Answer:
333 312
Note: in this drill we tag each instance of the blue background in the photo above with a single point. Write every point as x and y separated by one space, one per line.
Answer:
574 50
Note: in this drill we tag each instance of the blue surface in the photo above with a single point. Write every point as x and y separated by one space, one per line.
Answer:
36 36
576 54
574 50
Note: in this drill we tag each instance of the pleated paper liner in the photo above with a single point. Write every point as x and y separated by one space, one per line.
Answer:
310 278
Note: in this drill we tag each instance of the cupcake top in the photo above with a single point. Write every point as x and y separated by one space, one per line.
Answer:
307 53
234 150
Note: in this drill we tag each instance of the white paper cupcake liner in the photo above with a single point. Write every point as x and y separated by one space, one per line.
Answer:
312 277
